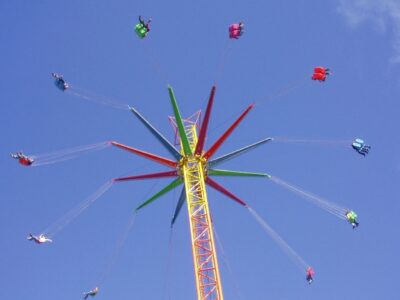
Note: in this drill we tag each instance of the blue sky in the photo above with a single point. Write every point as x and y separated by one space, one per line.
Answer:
92 43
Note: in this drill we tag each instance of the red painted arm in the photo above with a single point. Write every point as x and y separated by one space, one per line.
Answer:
203 130
148 176
148 155
223 190
226 134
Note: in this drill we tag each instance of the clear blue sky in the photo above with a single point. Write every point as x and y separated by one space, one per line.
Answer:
92 43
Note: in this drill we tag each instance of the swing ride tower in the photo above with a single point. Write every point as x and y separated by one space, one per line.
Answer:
194 168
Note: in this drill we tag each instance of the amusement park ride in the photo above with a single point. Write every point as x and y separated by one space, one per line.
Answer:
194 167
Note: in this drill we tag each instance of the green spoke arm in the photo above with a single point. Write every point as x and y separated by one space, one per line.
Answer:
165 190
218 172
179 123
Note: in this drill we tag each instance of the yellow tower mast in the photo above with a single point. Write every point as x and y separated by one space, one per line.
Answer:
208 280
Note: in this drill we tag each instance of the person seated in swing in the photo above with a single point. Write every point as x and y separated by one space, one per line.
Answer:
142 28
91 293
22 158
320 74
41 239
309 275
360 146
351 217
144 23
236 30
60 82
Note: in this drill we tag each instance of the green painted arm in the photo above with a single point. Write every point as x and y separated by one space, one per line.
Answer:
218 172
165 190
178 118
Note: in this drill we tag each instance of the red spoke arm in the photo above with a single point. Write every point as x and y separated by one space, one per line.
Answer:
204 126
226 134
148 176
147 155
224 191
